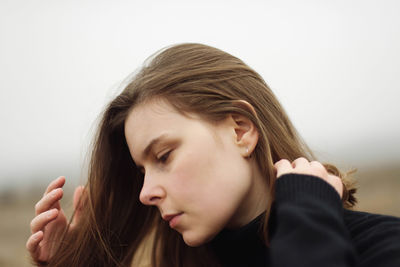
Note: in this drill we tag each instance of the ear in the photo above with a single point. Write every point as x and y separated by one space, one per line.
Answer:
245 130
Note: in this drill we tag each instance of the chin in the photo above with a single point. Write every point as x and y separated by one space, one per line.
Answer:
195 239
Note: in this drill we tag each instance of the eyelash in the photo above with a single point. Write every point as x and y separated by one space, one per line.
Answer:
164 157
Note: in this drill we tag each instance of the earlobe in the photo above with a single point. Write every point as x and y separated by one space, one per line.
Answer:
246 136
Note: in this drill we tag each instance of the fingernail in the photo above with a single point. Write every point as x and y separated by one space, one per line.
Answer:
51 213
36 236
53 195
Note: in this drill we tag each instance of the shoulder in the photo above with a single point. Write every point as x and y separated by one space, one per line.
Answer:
375 236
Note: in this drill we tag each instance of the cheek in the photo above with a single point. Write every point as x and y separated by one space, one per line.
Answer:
191 174
209 182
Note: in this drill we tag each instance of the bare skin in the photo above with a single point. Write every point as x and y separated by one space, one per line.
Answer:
50 221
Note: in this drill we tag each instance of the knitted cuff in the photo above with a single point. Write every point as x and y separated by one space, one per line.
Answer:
297 188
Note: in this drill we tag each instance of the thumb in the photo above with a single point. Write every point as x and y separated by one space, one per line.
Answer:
79 201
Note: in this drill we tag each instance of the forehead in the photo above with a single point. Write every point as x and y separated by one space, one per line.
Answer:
150 116
147 117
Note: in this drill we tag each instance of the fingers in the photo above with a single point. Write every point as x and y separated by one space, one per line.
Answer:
33 243
49 200
40 221
47 210
79 202
300 163
78 199
51 196
301 166
318 169
315 168
57 183
283 167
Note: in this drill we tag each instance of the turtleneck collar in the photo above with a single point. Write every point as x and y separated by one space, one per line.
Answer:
242 246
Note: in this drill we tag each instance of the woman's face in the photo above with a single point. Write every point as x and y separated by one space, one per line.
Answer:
192 169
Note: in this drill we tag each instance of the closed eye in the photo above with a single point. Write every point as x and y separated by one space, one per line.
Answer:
164 157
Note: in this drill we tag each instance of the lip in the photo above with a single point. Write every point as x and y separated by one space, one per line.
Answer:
173 219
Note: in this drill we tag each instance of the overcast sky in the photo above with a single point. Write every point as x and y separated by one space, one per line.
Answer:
334 65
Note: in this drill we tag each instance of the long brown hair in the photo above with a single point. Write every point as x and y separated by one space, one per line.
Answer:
193 78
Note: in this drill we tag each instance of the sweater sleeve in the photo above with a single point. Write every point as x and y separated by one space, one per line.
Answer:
377 238
308 226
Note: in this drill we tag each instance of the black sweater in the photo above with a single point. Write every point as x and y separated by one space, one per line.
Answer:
309 227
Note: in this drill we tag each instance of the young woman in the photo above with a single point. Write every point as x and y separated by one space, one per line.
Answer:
196 163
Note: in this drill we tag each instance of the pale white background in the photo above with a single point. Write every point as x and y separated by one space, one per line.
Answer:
334 65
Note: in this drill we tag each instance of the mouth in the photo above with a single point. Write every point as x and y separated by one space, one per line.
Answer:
173 219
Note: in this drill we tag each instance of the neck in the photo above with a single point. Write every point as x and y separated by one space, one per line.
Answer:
254 202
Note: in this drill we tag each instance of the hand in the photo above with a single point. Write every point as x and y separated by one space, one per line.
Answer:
303 166
50 221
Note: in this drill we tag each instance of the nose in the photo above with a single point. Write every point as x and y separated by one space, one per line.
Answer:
152 192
